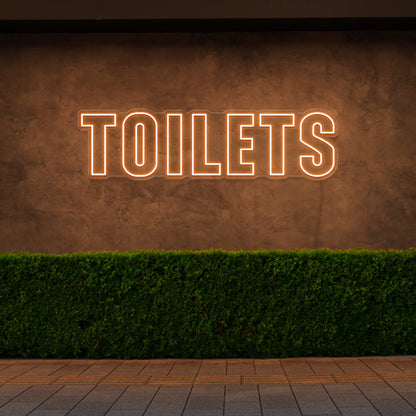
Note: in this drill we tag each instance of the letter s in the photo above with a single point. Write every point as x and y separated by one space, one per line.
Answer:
313 128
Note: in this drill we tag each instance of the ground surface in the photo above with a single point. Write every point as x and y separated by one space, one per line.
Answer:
288 387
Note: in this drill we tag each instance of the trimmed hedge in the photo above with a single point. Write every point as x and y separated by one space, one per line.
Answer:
214 303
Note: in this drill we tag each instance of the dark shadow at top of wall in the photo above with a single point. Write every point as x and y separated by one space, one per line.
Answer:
204 25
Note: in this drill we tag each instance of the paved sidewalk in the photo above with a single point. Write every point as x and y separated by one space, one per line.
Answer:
288 387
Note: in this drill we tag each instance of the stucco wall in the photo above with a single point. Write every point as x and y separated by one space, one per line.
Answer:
365 80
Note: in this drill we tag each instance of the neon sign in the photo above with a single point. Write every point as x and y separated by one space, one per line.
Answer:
211 145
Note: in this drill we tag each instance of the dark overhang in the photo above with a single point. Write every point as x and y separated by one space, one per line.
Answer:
205 15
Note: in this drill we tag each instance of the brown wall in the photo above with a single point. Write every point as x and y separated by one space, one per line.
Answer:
365 80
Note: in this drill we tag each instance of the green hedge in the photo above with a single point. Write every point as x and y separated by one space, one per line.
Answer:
150 304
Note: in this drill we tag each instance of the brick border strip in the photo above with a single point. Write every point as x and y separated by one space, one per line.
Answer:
209 380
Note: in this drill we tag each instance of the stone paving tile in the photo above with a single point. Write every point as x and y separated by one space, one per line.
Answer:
98 401
134 399
404 363
185 368
45 369
404 386
347 395
278 400
169 401
293 366
407 389
17 409
102 368
281 412
37 394
18 368
9 392
74 368
242 400
358 411
385 399
157 368
389 407
270 366
240 367
352 365
130 368
324 366
28 400
213 368
4 365
205 401
380 365
64 400
314 400
204 412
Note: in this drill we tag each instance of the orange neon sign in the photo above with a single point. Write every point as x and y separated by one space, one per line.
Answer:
235 144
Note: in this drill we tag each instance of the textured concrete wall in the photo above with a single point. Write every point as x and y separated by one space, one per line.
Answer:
48 202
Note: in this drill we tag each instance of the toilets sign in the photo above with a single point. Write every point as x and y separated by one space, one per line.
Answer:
197 144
